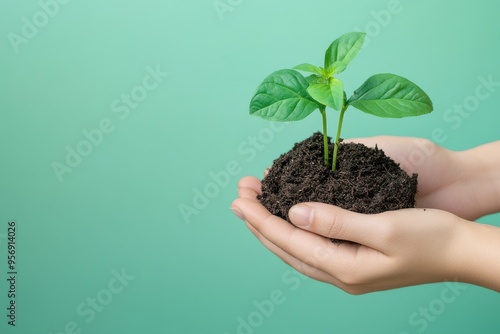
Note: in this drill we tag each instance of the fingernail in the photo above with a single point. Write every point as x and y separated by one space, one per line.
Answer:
301 215
238 212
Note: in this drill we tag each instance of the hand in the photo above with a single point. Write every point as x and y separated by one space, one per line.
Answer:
456 182
394 249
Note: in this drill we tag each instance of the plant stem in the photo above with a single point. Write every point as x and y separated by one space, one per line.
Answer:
325 135
337 139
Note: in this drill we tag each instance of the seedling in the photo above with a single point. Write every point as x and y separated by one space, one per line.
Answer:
286 95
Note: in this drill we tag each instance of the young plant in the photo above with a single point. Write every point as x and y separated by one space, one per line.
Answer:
287 95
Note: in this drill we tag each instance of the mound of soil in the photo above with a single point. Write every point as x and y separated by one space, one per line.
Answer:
366 180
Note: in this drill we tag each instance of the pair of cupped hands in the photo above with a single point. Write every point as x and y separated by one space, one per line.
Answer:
436 241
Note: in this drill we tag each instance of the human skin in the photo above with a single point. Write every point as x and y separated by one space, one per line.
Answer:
435 242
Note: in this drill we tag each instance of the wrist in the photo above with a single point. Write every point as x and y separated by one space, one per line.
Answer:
481 178
477 255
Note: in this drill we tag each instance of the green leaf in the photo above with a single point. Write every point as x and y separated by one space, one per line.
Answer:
344 49
389 95
309 68
283 96
337 67
330 94
314 79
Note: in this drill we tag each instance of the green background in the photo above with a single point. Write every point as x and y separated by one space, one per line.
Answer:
119 208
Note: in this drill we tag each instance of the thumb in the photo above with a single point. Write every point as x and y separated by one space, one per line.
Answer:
336 223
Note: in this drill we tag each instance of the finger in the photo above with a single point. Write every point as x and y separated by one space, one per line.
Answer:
295 263
307 247
251 183
267 171
340 261
247 193
287 258
336 223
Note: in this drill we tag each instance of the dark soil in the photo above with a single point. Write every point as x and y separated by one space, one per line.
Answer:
366 180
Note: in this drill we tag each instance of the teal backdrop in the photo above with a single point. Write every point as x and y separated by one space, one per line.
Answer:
124 129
